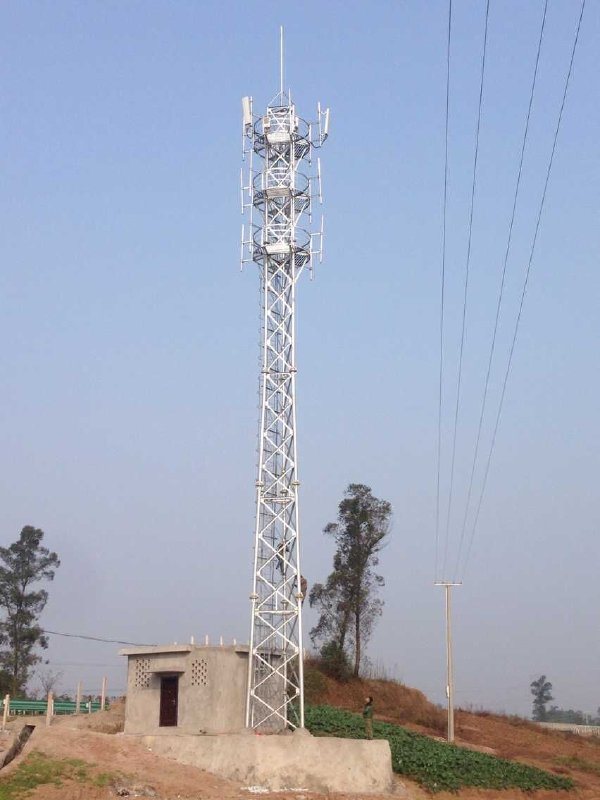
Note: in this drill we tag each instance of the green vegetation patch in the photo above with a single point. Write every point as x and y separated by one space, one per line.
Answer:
435 765
38 769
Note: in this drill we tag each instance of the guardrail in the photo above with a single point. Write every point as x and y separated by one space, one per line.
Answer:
20 707
51 707
581 730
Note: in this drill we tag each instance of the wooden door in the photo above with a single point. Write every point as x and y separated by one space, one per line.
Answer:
169 698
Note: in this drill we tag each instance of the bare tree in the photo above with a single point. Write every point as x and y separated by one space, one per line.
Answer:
49 681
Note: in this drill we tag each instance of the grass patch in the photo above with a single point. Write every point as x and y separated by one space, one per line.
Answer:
106 779
437 766
315 684
38 769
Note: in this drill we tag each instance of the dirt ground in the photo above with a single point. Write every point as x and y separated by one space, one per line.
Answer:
137 772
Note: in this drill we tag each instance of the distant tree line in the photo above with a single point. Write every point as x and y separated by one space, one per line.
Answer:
556 714
541 689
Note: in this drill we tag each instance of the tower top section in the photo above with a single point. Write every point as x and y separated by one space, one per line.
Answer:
278 192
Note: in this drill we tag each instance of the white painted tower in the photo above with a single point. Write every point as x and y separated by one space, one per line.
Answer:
277 193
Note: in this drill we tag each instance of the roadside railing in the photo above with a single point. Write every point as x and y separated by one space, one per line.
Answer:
581 730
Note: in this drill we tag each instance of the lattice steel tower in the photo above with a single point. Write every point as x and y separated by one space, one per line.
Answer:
278 196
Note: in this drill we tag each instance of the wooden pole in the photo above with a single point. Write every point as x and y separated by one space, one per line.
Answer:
6 711
78 699
103 695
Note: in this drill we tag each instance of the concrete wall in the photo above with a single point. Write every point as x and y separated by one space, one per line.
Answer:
212 688
294 761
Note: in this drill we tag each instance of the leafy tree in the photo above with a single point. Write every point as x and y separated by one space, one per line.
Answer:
541 689
4 683
347 602
23 564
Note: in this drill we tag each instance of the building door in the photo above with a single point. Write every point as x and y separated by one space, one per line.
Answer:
169 697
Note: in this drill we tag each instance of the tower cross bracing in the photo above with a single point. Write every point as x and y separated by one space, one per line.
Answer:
278 195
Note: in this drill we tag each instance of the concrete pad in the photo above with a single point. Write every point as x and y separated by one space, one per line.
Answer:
280 762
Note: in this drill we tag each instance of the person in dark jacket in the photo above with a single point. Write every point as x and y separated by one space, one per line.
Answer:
368 717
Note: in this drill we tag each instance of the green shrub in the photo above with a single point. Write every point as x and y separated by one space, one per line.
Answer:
334 661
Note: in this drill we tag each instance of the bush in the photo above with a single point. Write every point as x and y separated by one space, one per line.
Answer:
335 662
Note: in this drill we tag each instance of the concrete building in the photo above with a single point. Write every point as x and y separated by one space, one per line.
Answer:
178 695
186 689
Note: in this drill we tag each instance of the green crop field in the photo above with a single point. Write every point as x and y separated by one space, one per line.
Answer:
437 766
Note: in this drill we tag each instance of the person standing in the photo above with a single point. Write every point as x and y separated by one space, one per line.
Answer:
368 717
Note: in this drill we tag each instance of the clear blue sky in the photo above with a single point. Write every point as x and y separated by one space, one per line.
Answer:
128 336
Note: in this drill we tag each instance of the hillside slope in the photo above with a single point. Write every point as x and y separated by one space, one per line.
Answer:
507 737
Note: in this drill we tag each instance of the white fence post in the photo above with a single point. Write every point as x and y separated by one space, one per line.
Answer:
78 699
103 694
49 708
6 711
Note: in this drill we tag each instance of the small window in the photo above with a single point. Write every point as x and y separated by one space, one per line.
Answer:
199 672
141 678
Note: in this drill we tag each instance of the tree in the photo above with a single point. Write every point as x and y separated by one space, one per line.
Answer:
347 602
23 564
541 689
49 681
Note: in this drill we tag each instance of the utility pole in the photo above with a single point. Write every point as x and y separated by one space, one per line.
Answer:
449 663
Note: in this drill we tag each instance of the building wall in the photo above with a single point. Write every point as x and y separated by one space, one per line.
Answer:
212 688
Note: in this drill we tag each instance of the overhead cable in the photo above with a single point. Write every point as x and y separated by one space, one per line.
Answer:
501 290
94 638
466 284
525 283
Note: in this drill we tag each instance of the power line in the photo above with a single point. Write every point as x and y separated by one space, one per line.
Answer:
443 283
84 664
501 290
466 286
525 282
94 638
